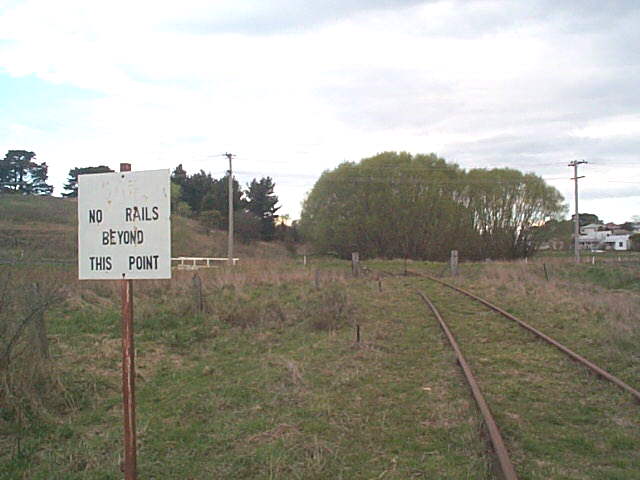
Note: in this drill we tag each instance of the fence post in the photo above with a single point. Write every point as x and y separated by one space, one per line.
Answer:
304 260
197 292
546 274
453 263
355 264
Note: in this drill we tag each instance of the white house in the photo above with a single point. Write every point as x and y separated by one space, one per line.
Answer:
594 236
618 242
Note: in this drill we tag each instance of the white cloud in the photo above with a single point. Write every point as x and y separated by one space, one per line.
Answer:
622 125
295 88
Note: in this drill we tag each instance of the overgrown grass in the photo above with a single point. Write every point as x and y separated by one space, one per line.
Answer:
251 388
263 378
34 228
611 276
560 421
29 209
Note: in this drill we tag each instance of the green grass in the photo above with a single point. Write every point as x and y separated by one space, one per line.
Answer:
277 399
250 389
610 276
558 420
26 209
43 229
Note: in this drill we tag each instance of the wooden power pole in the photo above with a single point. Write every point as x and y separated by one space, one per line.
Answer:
576 225
230 239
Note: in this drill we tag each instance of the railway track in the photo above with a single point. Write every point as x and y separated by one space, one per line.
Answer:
504 462
506 465
579 358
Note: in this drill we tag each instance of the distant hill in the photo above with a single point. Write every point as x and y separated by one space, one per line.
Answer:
39 228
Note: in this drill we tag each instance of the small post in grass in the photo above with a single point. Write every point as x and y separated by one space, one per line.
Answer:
357 333
546 274
453 262
355 264
197 293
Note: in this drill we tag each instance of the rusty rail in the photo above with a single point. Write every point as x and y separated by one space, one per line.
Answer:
506 466
592 366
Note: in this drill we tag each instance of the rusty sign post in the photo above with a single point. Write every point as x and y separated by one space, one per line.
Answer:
128 381
124 233
128 374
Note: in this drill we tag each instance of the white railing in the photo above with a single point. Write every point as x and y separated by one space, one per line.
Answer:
193 263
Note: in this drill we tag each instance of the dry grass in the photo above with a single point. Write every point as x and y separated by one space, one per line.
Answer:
276 398
329 309
558 420
28 377
615 312
45 228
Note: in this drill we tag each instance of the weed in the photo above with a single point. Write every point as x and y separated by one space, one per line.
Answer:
328 309
25 367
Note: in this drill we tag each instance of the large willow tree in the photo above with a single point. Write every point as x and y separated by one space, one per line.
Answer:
418 206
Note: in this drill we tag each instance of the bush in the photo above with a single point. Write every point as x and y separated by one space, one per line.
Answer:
242 310
246 226
329 309
25 368
211 219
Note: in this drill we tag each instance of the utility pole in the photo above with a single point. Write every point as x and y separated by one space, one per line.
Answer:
576 225
230 242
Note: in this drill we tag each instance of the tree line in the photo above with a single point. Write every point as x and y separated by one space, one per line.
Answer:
198 195
201 196
20 173
419 206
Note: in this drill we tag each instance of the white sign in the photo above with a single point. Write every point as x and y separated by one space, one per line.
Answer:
124 228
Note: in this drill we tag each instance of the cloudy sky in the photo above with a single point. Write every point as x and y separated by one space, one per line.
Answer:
296 87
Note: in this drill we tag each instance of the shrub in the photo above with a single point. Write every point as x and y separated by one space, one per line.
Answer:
25 369
328 309
242 310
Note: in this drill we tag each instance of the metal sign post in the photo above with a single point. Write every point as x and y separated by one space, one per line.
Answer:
128 374
128 381
124 233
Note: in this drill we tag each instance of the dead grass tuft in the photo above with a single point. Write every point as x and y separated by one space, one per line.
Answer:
329 309
294 372
281 431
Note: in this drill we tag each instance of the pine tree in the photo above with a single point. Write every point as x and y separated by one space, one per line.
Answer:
19 173
72 182
261 201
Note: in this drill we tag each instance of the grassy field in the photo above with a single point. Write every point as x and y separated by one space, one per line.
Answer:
44 229
268 382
